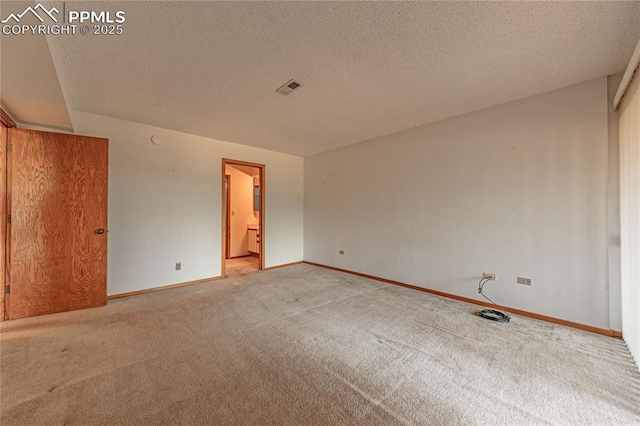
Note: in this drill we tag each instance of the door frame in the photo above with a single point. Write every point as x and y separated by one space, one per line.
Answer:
227 219
5 123
261 216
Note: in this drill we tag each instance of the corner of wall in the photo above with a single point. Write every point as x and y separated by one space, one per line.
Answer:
613 206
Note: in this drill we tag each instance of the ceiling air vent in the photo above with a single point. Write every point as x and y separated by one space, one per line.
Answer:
288 87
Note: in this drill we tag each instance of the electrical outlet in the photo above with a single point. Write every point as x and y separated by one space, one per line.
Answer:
178 266
523 280
341 252
489 275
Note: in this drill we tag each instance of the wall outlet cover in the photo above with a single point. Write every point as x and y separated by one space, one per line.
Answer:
178 266
489 275
524 281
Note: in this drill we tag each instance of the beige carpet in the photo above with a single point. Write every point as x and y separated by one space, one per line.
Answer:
241 265
305 345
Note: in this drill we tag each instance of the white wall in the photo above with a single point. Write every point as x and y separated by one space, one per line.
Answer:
630 214
613 195
242 214
518 190
165 203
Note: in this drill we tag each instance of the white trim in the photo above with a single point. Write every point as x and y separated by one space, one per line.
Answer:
628 75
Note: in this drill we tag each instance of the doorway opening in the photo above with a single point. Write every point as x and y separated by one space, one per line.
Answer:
242 217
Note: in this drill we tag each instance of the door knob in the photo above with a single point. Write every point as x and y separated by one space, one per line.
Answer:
99 231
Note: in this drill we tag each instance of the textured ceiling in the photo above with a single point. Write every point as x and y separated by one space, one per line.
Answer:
368 69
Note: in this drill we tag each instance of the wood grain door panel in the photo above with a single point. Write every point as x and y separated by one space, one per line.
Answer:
58 198
88 214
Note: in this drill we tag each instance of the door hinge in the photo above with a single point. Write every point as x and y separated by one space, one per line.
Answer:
9 148
7 289
8 218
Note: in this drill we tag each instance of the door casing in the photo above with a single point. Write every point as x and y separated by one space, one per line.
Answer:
225 206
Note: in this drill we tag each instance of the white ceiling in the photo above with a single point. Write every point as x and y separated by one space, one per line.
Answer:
30 90
368 68
248 170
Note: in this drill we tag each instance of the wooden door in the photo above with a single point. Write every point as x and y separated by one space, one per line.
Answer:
57 236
